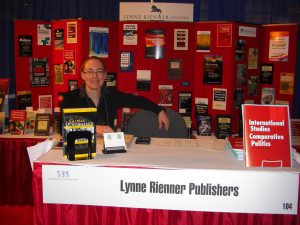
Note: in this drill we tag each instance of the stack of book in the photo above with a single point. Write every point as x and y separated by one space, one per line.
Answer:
235 145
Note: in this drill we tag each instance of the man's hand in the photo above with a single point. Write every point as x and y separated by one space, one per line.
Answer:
163 120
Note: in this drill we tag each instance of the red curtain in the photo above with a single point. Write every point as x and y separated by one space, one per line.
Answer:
15 171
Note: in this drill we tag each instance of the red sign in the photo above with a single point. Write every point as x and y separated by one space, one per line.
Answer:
267 135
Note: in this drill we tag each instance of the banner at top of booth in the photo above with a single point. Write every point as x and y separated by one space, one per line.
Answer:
147 11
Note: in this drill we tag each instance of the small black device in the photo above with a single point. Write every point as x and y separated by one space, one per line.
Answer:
143 140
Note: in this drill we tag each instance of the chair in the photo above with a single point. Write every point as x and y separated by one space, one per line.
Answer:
144 123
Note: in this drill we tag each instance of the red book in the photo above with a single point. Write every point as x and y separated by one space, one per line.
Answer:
236 143
17 119
267 135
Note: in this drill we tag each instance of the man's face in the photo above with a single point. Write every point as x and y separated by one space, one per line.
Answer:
93 74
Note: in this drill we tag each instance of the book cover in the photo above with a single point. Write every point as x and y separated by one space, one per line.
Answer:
224 126
219 98
25 45
236 146
224 35
266 73
241 75
2 122
204 125
42 124
130 34
2 99
4 85
72 85
69 61
286 83
98 41
201 105
58 39
17 119
39 72
267 140
175 69
185 102
252 86
126 116
240 49
143 80
58 74
252 58
203 41
110 80
213 71
24 99
74 121
165 95
126 61
238 97
45 103
155 43
30 121
188 122
44 34
181 37
267 96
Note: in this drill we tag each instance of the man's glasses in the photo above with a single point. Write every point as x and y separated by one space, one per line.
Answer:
97 72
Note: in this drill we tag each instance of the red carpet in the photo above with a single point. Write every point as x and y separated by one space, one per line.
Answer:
16 215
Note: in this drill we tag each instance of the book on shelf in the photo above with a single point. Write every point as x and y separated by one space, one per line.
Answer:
78 133
2 122
30 121
2 99
24 99
17 119
204 125
126 116
188 122
224 126
236 146
42 124
267 138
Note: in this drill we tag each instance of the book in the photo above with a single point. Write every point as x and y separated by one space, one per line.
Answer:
185 102
2 122
24 99
143 80
72 85
2 99
175 69
201 106
17 119
267 96
266 73
203 125
236 146
39 72
126 116
165 95
224 126
42 124
110 80
188 122
30 121
267 135
56 120
213 69
4 85
155 43
77 123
